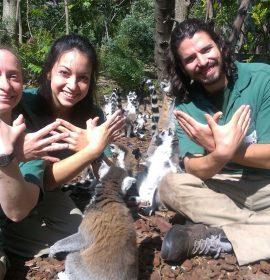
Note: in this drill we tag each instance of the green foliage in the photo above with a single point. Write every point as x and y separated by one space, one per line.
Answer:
5 38
198 9
99 19
123 31
257 35
259 14
257 22
32 54
126 70
125 56
224 13
43 15
138 30
125 42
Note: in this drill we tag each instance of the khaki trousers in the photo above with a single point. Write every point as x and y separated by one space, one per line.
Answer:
240 205
55 217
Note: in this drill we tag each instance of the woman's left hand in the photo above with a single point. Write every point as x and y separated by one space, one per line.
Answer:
110 130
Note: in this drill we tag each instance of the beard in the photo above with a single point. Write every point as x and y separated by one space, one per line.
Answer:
211 78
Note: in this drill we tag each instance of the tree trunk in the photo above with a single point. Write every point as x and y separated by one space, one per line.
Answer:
164 12
9 16
181 9
181 13
19 21
209 10
67 16
239 20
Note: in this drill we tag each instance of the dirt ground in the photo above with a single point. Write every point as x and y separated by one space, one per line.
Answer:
150 232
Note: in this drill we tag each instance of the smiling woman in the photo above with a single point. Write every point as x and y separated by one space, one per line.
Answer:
20 182
67 93
11 83
70 81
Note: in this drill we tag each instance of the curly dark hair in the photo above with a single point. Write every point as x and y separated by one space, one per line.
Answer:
179 80
63 44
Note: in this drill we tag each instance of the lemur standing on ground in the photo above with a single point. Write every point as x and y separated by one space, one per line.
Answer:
105 245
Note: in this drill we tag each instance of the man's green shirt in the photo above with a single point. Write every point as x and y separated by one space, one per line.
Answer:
252 87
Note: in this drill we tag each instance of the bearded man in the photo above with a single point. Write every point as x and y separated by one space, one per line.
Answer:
222 108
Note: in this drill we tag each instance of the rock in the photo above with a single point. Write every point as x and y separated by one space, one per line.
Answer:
265 267
167 271
161 223
155 276
186 266
229 259
156 261
228 267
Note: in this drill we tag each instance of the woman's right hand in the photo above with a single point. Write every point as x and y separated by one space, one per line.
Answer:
36 145
10 134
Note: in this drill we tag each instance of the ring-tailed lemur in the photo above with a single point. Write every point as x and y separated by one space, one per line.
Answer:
106 235
165 86
113 102
131 111
139 126
154 106
164 159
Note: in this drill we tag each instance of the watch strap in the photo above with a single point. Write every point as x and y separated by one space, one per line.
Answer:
6 159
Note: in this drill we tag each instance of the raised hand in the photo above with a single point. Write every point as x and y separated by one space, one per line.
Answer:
36 145
229 137
110 130
197 132
9 135
77 138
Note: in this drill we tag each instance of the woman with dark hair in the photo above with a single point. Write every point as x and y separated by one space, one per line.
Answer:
84 108
66 93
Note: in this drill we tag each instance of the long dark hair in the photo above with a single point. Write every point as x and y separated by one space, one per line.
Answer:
179 80
63 44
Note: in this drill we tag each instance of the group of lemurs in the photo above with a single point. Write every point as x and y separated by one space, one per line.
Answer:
105 245
136 118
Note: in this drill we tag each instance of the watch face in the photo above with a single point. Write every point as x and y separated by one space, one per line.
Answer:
5 160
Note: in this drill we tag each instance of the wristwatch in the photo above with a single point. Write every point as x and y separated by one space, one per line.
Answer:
5 159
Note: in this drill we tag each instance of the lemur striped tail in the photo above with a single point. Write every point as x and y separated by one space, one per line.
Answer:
154 106
113 102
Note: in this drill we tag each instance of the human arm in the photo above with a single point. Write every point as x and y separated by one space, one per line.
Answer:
98 137
77 137
252 155
17 196
227 140
196 131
